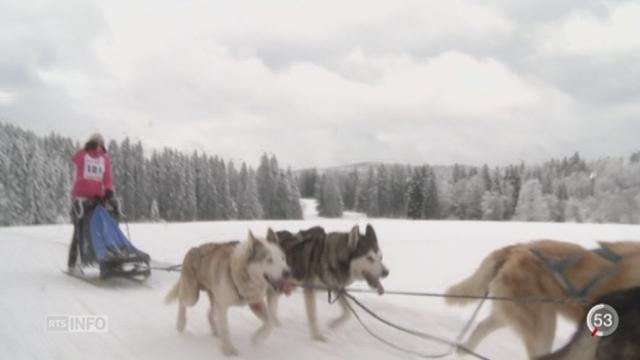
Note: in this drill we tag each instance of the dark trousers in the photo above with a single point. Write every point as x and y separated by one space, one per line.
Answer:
81 211
77 233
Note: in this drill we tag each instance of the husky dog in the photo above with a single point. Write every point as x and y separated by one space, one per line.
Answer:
231 273
518 271
623 344
333 260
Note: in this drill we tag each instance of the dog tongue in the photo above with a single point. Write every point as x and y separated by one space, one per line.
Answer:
374 283
379 287
285 287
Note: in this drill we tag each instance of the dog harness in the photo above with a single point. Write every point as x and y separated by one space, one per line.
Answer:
557 268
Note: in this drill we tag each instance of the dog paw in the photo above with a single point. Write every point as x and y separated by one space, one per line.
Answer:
260 336
319 338
229 350
180 327
334 324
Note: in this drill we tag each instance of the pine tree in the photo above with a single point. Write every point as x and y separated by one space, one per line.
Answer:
16 178
531 204
294 207
188 203
496 183
361 197
61 183
277 207
266 185
512 183
472 197
154 212
4 169
349 188
573 211
155 180
41 183
117 171
205 187
371 189
561 192
458 209
415 194
398 191
169 186
329 197
141 180
486 177
383 185
431 205
457 173
225 206
4 174
280 199
286 202
233 178
126 179
4 206
249 207
493 206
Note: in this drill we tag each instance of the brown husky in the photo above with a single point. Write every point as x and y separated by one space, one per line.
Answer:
518 271
231 273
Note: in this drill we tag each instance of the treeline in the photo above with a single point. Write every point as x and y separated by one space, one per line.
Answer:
36 176
568 189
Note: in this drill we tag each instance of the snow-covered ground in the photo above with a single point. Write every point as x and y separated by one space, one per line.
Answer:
422 256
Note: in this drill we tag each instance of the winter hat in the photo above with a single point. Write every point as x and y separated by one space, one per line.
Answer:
97 138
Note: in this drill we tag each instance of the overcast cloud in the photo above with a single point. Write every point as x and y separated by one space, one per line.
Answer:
330 82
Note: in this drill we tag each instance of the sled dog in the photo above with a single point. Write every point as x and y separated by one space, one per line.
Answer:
520 271
333 260
623 344
231 273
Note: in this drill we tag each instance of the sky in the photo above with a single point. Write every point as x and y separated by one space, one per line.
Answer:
323 83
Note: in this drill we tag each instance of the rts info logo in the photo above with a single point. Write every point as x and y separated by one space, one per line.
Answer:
78 323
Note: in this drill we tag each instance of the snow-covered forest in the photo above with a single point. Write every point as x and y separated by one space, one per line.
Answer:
569 189
166 184
36 175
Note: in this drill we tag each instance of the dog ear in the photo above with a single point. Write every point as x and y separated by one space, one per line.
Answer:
370 234
255 246
252 241
354 237
272 237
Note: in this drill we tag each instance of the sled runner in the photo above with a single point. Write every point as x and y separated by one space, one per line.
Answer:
93 279
101 243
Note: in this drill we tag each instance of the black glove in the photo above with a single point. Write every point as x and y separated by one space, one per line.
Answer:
108 195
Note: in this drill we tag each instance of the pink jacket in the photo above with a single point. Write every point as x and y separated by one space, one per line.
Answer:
92 173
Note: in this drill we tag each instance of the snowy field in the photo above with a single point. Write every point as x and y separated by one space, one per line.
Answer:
421 255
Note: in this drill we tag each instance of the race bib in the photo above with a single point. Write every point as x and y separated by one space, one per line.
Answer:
93 168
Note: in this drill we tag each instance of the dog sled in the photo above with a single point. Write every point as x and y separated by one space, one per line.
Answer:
101 244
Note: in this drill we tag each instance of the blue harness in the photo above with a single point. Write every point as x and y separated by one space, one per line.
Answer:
557 269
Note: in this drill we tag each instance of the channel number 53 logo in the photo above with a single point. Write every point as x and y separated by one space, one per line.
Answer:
602 320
